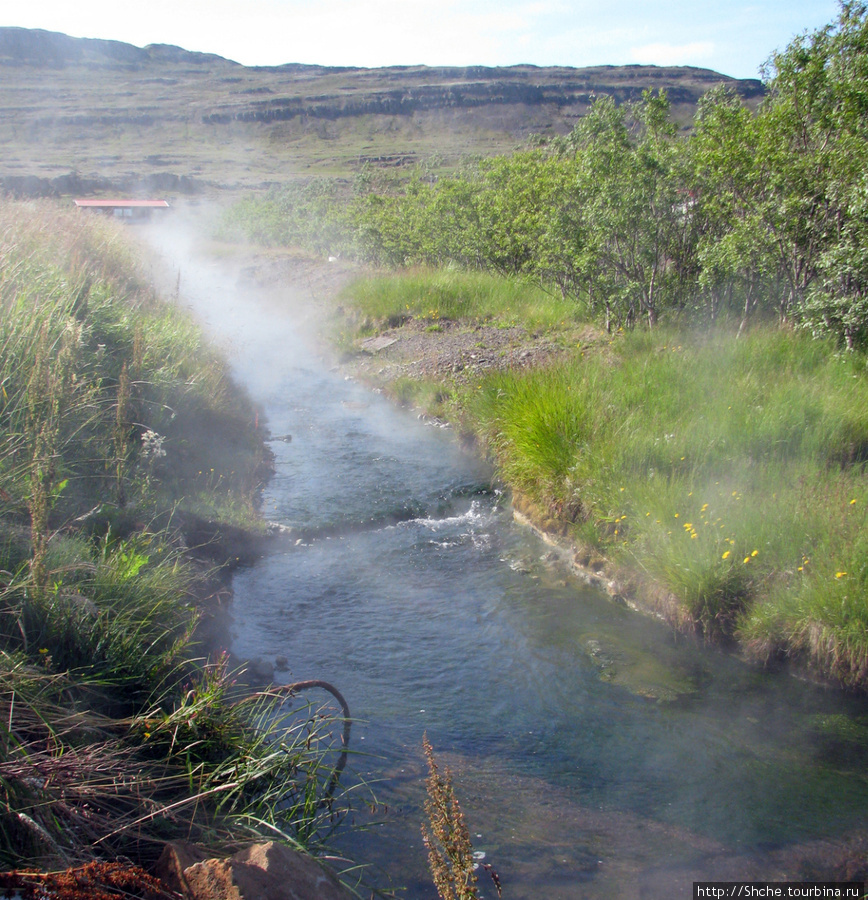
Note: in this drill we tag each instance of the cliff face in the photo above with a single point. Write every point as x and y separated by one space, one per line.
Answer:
108 109
434 89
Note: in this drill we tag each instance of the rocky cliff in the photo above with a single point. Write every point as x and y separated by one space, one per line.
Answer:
106 109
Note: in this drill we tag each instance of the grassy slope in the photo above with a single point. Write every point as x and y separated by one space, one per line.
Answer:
113 737
725 475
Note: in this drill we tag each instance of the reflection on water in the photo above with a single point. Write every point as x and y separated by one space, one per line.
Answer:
596 754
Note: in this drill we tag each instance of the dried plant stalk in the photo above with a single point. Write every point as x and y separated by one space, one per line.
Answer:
450 854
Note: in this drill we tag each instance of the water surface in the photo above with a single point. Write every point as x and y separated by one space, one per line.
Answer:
596 754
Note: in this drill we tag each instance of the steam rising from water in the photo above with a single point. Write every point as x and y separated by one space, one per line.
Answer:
596 753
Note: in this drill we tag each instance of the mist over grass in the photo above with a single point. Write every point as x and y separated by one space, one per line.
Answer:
731 472
121 432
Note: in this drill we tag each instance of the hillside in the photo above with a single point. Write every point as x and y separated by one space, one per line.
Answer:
161 118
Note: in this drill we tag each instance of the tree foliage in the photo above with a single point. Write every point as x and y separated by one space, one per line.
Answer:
752 214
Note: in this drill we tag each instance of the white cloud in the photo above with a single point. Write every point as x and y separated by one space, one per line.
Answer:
673 54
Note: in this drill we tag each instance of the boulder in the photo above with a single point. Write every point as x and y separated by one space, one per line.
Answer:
267 871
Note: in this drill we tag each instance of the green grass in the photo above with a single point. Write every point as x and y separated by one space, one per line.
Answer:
117 424
729 471
473 297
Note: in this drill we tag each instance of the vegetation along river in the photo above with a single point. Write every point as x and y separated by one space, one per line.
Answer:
595 753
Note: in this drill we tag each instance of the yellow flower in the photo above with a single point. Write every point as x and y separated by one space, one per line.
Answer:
725 555
840 574
852 501
747 559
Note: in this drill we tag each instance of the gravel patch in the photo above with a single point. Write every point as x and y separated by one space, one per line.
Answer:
453 350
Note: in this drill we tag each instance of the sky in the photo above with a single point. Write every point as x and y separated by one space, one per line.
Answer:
733 37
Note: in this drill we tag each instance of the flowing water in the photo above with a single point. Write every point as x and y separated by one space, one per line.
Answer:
595 753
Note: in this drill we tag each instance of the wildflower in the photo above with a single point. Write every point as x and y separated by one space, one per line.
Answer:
852 502
747 559
688 526
754 553
840 574
152 444
725 554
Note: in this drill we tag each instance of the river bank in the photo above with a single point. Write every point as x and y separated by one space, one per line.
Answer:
130 485
607 442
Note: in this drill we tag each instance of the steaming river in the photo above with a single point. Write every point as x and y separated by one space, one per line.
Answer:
595 754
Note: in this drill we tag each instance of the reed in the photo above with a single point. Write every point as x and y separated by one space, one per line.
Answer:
446 838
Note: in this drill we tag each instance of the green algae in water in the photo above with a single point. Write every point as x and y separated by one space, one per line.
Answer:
642 673
849 731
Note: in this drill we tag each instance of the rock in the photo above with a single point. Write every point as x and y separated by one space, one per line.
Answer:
260 671
275 528
376 344
267 871
175 859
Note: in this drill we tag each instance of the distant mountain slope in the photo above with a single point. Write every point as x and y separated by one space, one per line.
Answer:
109 110
33 46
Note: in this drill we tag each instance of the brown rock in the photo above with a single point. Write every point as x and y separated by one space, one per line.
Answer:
267 871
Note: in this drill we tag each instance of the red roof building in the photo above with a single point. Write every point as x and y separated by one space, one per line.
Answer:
123 209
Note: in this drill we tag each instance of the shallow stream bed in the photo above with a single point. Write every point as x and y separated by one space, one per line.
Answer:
595 753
